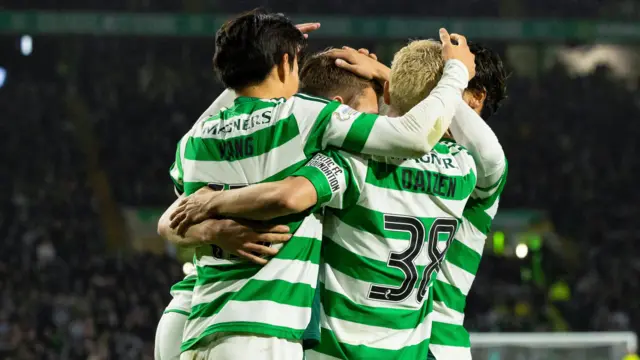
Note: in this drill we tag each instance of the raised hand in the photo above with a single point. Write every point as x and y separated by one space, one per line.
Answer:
460 51
307 28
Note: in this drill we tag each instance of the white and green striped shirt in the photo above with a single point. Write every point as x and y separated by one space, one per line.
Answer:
388 227
450 340
266 140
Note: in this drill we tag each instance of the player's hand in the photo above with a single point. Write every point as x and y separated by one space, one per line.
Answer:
360 62
460 51
193 209
249 240
307 28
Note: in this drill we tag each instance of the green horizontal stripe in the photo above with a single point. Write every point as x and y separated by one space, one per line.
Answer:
339 306
475 213
279 291
449 335
185 284
451 296
181 312
463 257
393 177
315 139
359 132
297 248
242 147
191 187
330 345
244 327
363 268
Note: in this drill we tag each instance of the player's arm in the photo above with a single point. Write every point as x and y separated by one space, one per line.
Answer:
321 182
416 132
472 132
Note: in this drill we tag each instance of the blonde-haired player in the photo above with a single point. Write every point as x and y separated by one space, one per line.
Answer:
416 69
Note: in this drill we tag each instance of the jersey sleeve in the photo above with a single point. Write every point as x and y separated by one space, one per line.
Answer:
176 172
410 135
332 177
468 170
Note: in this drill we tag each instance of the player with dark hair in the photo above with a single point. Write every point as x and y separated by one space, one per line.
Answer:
242 310
485 93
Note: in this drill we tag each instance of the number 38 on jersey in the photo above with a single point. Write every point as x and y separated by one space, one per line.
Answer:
419 239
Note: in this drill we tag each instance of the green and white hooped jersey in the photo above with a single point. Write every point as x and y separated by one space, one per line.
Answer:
386 230
181 293
459 269
260 140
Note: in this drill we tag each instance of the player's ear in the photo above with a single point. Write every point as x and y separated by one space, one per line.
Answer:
385 93
338 99
284 67
475 99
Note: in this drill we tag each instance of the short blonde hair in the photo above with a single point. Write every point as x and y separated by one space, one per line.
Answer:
415 71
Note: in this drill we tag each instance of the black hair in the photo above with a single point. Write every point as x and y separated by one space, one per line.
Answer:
249 46
490 77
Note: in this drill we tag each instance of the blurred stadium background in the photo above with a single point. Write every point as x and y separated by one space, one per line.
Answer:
95 94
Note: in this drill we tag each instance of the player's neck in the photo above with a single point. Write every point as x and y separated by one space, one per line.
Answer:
268 89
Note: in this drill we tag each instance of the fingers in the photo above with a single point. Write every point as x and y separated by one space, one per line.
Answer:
177 218
308 27
345 65
273 238
253 258
183 226
445 38
344 54
260 249
462 41
261 228
364 51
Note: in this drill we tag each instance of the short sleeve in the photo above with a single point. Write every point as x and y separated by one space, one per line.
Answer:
176 172
332 178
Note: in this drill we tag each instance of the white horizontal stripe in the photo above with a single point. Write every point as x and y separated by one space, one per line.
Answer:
366 244
181 301
441 163
246 171
443 314
292 271
443 352
406 203
373 336
471 237
263 311
357 290
314 355
456 276
207 293
493 210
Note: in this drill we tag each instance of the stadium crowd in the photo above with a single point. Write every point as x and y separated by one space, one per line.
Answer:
616 9
63 296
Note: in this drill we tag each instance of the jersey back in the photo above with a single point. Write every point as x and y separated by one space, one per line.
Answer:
254 141
450 340
384 238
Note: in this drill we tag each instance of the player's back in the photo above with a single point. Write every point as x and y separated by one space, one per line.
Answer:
254 141
381 251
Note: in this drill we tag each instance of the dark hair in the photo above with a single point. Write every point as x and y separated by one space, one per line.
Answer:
249 46
320 76
490 77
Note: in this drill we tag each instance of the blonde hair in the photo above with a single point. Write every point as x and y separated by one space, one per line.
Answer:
415 71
